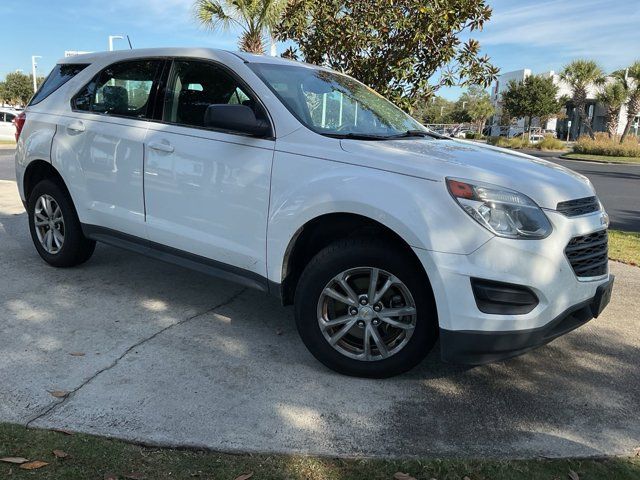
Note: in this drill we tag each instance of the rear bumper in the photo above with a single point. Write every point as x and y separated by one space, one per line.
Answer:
480 347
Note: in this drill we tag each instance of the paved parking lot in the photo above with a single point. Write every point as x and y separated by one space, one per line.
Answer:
155 353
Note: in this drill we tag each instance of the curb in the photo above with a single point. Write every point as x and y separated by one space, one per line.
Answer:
601 162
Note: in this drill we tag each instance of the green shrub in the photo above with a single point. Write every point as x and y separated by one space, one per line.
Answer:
550 143
504 142
473 135
610 147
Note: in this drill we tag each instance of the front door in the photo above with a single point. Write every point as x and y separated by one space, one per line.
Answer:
207 191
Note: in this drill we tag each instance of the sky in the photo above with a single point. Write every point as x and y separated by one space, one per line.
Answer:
540 35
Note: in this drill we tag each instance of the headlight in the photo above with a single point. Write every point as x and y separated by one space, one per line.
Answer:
502 211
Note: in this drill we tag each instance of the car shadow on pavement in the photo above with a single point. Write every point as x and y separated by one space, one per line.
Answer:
156 353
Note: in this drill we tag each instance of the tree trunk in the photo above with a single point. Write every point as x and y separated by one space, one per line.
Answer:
632 110
612 122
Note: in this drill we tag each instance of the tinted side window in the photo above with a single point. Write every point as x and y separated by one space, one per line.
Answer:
9 117
121 89
60 75
194 85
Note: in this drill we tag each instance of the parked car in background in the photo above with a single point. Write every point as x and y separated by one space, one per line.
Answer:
302 182
7 126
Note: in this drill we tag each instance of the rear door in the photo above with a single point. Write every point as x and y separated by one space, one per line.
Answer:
206 190
100 146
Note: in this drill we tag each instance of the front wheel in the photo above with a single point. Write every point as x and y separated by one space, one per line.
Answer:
365 309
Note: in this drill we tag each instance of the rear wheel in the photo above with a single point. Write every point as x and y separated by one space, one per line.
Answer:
365 309
55 228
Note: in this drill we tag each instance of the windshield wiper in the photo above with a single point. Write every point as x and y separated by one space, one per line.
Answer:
419 133
357 136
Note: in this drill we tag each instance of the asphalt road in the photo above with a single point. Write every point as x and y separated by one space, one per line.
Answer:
7 167
154 353
618 186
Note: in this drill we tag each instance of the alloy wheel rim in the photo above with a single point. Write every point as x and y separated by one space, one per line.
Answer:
49 224
367 314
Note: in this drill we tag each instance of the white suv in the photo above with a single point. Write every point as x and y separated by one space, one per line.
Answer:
304 183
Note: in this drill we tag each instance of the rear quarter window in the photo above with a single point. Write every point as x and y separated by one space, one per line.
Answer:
60 75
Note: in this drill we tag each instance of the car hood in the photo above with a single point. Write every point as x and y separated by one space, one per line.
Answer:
545 182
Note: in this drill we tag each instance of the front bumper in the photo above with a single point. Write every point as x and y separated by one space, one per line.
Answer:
470 335
480 347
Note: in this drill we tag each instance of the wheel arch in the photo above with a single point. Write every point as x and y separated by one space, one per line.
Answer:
317 233
39 170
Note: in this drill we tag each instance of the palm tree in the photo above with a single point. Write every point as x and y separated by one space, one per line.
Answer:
630 78
254 17
579 75
613 95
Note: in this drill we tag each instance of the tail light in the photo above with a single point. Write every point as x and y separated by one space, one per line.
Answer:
19 123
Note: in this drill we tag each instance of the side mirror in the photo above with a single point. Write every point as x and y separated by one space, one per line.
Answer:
236 118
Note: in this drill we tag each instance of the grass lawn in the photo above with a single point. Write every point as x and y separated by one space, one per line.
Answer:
99 458
601 158
7 142
624 247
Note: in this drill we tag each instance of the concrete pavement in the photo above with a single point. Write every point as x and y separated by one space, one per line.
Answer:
173 357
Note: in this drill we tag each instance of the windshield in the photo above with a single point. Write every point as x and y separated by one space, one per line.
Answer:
335 105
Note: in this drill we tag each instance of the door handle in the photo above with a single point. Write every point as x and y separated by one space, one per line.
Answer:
165 147
76 126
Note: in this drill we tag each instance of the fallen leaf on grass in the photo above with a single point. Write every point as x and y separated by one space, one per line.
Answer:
637 450
573 475
60 454
59 393
245 476
402 476
62 430
16 460
77 354
110 476
33 465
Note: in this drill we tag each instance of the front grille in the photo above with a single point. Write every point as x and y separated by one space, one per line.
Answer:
588 254
580 206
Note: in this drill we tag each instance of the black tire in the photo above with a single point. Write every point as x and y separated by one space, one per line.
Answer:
353 253
76 248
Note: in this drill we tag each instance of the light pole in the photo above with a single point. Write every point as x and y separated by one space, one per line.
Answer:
34 66
112 38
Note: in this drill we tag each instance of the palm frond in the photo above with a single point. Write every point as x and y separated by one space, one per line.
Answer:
214 14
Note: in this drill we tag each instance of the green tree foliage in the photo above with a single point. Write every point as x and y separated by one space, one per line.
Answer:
404 49
254 17
474 106
579 75
613 96
435 109
536 96
630 78
17 88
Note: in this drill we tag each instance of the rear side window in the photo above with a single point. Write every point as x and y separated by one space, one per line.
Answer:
122 89
60 75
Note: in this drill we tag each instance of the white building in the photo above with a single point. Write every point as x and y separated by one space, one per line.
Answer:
596 111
